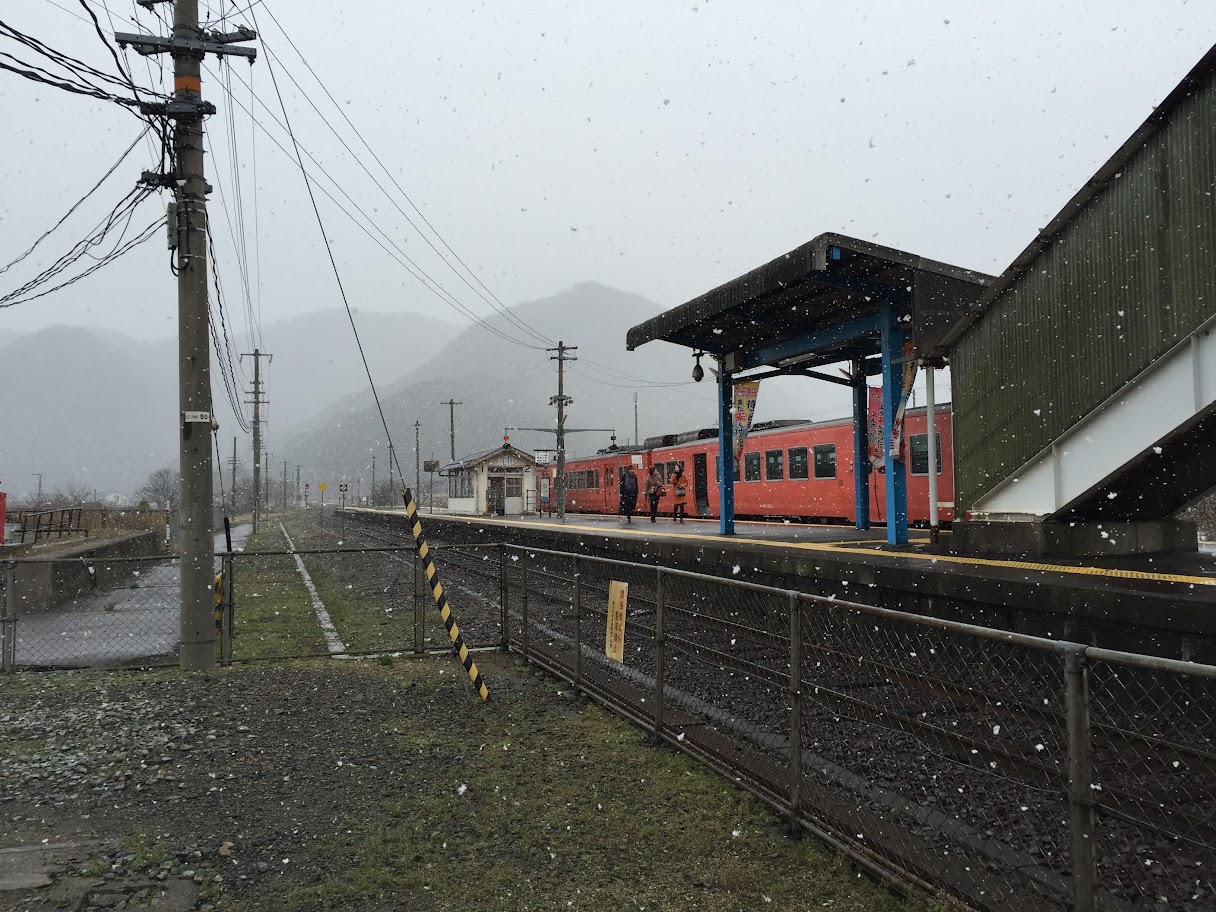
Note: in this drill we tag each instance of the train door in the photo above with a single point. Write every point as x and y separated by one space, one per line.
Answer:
700 482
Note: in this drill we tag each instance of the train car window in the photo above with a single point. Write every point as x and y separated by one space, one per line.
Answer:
751 466
593 478
673 465
799 471
609 476
825 460
718 469
662 476
774 465
918 453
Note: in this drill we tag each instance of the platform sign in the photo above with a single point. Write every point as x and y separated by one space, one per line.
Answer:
614 639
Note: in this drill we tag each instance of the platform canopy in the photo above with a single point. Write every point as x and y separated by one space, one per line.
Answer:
824 288
833 299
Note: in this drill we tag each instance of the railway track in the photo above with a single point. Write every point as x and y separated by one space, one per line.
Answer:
903 722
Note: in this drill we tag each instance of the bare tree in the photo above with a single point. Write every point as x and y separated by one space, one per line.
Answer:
161 487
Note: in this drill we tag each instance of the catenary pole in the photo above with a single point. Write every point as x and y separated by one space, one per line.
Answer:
561 400
931 440
418 455
451 404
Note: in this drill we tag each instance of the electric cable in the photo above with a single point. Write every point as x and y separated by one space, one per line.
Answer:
76 205
337 275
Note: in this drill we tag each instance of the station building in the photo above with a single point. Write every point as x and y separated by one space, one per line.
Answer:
497 482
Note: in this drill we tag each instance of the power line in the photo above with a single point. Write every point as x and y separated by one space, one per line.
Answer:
333 263
76 205
396 253
493 301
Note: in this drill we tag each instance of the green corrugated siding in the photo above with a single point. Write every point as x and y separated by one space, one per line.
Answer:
1130 275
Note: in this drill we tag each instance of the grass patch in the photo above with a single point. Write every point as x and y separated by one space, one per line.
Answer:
273 612
535 801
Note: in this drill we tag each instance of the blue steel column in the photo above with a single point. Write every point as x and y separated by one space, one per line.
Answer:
726 454
892 389
861 446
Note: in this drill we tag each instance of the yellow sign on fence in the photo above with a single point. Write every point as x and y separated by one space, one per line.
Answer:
614 640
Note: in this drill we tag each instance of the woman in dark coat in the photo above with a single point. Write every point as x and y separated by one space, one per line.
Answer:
628 494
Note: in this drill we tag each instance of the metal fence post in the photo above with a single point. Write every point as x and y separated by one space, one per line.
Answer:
419 617
1080 781
502 597
795 607
523 603
226 619
578 625
8 623
660 603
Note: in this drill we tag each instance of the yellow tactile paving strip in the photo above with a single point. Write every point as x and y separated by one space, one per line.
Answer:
643 529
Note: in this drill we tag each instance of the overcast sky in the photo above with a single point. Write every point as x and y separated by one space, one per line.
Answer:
662 148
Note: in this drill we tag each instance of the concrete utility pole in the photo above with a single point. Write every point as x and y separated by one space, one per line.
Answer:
297 500
635 419
451 404
256 402
372 499
418 458
284 487
188 46
392 460
233 463
561 400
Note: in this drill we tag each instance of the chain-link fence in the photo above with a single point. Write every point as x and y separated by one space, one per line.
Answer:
1009 772
85 612
1006 771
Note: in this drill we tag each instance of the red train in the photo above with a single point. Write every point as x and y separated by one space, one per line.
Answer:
790 470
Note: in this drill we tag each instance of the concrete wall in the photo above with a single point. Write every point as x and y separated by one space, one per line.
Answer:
45 583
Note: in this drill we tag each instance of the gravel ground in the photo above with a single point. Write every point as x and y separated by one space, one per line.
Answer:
363 785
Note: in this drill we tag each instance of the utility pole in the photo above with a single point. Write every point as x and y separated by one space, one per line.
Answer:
418 458
297 487
189 216
635 419
392 460
256 402
561 400
451 404
266 477
233 463
284 486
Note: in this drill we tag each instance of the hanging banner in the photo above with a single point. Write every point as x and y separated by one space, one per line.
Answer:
746 392
874 425
614 637
909 378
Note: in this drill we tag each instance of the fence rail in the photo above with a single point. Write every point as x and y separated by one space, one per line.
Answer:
1006 771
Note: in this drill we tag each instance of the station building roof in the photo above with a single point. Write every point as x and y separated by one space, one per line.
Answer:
475 459
831 283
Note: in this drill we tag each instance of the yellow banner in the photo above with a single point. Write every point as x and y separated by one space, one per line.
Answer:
614 639
746 392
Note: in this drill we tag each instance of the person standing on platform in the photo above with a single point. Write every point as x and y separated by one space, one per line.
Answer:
679 495
654 490
628 501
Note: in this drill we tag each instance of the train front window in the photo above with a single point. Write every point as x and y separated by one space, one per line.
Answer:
751 466
799 471
918 453
774 465
825 460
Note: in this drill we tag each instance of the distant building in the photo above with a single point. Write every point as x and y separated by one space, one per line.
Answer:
498 482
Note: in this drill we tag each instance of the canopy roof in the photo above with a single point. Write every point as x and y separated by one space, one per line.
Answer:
821 288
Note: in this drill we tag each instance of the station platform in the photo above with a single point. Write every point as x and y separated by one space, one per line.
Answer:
1161 605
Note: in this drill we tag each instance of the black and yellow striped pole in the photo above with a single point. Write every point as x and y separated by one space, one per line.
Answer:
441 599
